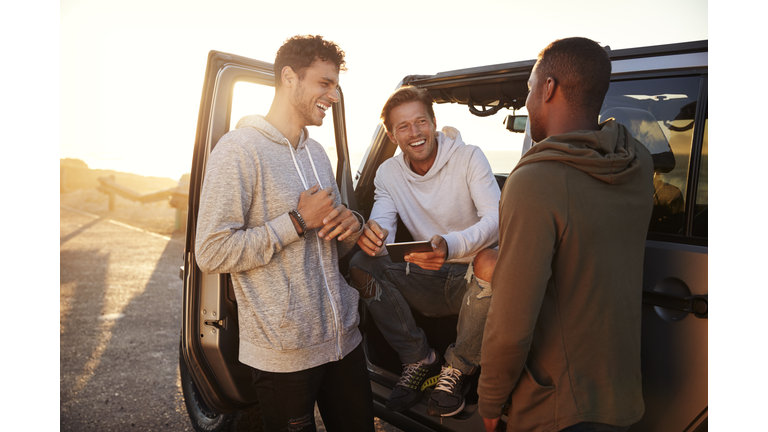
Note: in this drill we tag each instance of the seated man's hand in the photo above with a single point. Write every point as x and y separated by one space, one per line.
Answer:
339 222
372 239
431 260
451 132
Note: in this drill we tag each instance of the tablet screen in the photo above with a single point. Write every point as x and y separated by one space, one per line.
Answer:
398 251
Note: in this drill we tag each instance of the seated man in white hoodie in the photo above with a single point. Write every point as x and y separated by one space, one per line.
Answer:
445 192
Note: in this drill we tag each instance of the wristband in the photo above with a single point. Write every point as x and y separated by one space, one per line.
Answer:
297 216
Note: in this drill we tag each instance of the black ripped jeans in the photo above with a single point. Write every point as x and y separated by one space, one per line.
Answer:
341 388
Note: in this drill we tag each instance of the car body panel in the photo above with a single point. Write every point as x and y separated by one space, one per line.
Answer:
675 346
674 355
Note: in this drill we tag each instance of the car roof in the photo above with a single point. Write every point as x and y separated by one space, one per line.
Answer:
481 83
512 69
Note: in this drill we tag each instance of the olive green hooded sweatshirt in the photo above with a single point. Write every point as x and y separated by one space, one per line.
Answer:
563 329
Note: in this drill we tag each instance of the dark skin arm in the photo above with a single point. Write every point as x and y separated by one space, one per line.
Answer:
495 425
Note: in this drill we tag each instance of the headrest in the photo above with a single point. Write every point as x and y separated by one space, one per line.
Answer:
642 125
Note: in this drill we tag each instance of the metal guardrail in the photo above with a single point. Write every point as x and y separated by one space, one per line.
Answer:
177 196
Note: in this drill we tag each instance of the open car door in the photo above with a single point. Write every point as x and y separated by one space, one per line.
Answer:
214 382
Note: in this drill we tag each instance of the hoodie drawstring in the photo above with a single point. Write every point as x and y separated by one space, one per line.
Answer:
296 165
317 242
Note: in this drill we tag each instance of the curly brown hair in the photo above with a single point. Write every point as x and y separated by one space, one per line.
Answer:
299 52
404 95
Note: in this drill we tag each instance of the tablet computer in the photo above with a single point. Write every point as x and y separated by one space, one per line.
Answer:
398 251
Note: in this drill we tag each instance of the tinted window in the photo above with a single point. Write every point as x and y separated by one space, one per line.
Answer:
660 114
701 210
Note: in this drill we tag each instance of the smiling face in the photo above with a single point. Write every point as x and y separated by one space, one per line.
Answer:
416 135
315 92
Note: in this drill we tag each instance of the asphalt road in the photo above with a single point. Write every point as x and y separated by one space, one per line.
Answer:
120 316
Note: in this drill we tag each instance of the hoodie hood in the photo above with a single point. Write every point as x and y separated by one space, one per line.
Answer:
271 133
258 122
608 154
446 146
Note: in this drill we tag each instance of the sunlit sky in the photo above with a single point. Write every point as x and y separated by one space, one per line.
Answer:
128 94
132 71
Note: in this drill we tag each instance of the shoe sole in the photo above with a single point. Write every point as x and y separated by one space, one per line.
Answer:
464 392
429 382
421 395
435 414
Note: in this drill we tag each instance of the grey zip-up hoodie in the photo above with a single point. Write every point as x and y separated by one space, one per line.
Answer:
295 309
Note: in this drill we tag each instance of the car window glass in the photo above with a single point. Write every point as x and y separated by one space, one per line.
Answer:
700 228
659 113
249 98
501 147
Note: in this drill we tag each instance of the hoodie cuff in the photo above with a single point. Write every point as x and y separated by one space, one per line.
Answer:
453 243
489 410
355 235
283 227
360 219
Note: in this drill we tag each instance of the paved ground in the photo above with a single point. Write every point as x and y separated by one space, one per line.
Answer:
120 312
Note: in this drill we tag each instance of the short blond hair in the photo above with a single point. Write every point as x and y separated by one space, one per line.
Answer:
405 95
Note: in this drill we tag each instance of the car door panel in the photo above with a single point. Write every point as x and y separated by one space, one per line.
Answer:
209 330
210 338
674 343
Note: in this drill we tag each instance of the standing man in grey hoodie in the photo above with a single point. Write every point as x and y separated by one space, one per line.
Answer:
271 216
563 338
445 192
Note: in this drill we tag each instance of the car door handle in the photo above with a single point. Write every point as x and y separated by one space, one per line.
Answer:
695 304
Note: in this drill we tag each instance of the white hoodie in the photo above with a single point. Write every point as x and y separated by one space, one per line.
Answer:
458 198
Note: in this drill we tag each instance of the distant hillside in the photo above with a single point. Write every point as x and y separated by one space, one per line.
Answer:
75 174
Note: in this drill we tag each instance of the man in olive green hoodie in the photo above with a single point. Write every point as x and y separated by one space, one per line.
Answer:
563 330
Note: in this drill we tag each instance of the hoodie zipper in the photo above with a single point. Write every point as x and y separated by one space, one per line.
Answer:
336 323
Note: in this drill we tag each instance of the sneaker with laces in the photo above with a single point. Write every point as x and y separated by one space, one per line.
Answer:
413 381
447 398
